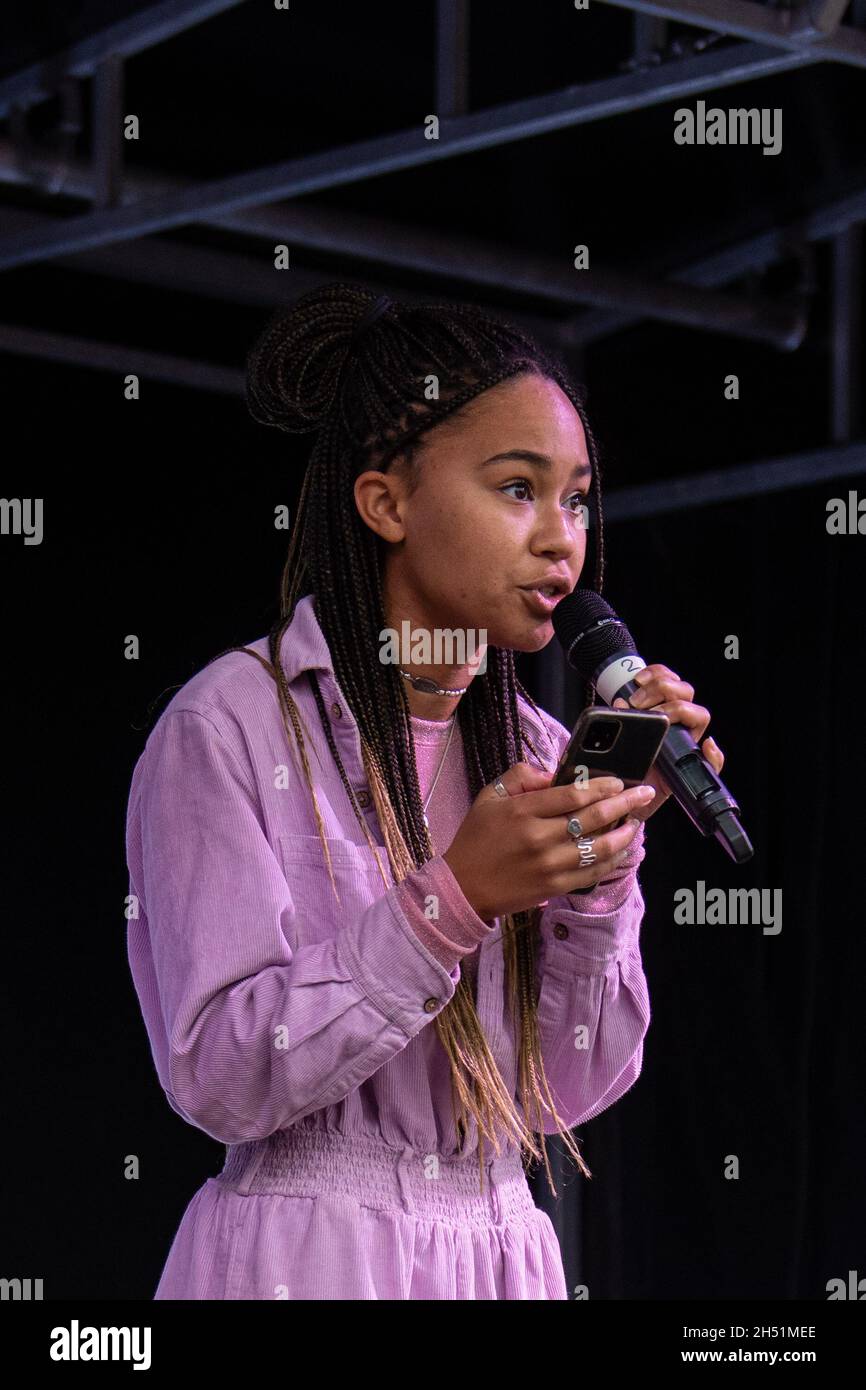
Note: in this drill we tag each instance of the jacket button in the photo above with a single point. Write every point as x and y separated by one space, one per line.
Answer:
336 711
561 931
363 798
431 1005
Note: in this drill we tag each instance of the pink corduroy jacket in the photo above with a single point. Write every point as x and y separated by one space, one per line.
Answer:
270 1008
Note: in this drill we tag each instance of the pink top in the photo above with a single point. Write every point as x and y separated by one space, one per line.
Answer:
451 939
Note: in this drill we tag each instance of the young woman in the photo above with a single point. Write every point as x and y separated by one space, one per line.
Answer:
376 956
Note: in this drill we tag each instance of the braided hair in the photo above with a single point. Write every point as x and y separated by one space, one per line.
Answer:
369 378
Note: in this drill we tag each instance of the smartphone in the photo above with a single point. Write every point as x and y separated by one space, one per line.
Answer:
613 743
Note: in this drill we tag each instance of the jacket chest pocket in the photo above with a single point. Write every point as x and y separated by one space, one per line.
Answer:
318 915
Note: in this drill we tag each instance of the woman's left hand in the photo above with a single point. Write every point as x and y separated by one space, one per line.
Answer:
661 689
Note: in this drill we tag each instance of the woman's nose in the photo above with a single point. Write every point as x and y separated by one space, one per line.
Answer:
558 537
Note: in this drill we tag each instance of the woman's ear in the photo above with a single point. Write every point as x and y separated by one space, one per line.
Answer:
379 499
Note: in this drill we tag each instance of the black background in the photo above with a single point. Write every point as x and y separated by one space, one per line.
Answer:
158 522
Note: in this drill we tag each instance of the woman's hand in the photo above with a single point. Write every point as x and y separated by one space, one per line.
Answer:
513 852
661 689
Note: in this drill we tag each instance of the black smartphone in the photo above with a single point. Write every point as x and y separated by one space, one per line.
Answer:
613 743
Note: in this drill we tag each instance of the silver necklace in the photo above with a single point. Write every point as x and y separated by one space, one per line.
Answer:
430 687
440 767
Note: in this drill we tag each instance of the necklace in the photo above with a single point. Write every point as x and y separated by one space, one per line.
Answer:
439 769
430 687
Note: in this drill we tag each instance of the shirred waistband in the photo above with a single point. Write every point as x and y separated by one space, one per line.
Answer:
310 1163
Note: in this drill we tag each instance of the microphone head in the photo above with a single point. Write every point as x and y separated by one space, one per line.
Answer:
591 633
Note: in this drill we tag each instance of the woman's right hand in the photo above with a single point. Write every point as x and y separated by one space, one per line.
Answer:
512 853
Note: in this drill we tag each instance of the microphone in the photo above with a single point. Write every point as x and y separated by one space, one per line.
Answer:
601 649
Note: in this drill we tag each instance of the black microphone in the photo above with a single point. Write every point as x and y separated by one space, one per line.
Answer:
601 649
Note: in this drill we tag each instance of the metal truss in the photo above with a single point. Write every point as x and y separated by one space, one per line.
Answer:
128 206
813 25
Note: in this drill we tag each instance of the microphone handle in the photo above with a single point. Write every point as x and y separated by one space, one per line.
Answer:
697 787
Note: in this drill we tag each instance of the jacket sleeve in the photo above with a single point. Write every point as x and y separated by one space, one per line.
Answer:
248 1035
593 1008
593 1005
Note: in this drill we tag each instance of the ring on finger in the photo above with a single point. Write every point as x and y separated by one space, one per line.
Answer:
586 855
584 842
500 788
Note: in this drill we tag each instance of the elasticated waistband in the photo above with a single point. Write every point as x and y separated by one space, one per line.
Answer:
310 1163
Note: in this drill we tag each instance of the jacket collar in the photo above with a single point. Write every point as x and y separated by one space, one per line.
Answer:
303 647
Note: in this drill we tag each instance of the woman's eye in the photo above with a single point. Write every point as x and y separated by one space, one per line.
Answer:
521 488
521 484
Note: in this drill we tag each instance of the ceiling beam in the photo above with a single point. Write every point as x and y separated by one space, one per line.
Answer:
452 57
748 20
240 277
348 164
735 482
385 244
120 359
122 39
653 498
547 278
748 254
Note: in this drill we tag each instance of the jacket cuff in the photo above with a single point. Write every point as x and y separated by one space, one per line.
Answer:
608 895
587 941
440 915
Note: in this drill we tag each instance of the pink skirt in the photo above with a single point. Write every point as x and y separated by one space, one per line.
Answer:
306 1214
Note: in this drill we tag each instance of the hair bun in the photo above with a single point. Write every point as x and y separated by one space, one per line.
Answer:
294 368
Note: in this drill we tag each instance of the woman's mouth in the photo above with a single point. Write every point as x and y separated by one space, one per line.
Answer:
542 601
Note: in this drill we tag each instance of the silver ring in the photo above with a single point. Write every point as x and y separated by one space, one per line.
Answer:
574 827
499 788
586 856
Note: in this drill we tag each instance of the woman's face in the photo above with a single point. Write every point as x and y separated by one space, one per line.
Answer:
466 543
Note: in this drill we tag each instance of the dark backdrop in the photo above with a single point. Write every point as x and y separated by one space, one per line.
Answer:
158 521
755 1045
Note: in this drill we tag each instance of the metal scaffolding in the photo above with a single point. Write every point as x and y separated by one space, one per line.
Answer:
127 206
